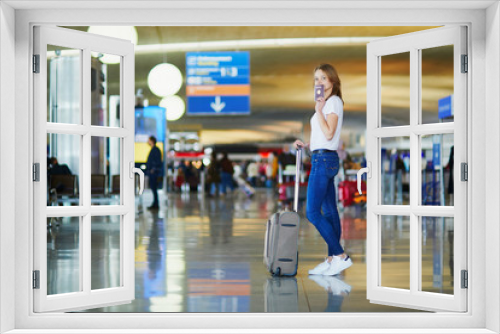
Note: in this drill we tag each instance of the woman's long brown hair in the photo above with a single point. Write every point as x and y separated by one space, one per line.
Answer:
333 76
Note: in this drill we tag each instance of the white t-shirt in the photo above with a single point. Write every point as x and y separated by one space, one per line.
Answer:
318 140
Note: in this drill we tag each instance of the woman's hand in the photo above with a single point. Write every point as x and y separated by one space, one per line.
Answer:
320 103
299 143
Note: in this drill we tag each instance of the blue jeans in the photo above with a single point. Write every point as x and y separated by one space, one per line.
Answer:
321 195
226 182
214 187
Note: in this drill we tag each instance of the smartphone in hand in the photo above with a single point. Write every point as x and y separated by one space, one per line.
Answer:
319 91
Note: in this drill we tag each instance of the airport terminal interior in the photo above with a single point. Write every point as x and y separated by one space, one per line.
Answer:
247 92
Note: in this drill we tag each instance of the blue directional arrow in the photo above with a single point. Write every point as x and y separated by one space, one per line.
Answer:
219 105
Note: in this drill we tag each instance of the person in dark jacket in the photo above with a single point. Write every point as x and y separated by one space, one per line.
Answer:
213 178
192 177
56 169
154 168
226 173
451 183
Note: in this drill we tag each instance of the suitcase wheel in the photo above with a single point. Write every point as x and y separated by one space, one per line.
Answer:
277 272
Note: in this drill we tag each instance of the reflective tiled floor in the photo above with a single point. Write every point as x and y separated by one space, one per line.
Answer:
200 254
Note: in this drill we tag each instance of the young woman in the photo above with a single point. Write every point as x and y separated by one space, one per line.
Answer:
326 125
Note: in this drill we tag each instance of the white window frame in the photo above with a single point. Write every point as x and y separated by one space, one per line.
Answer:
484 103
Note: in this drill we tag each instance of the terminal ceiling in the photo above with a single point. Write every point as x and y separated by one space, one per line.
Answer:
281 78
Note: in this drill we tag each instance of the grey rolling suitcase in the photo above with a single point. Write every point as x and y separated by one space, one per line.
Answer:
281 242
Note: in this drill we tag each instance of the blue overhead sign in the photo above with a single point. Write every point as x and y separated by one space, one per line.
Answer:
445 107
436 154
218 83
149 121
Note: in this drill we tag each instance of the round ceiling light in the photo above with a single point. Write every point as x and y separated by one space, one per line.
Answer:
122 32
164 80
174 106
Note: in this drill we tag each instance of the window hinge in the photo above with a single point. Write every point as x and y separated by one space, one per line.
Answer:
465 64
36 63
36 172
465 279
36 279
464 171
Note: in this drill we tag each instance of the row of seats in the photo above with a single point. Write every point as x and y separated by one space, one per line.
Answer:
67 185
64 188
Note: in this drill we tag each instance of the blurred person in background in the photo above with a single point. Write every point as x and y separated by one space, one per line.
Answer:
213 178
192 177
269 171
180 178
252 173
284 159
275 168
262 173
55 168
154 168
226 173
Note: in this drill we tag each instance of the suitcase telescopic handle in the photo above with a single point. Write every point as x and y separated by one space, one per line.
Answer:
298 165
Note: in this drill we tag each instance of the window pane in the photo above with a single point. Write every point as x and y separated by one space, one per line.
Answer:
437 84
437 169
63 169
395 171
395 241
105 169
105 89
63 255
106 247
395 90
63 85
437 254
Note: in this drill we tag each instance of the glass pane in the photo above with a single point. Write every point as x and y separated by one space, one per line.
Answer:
437 169
395 178
437 84
105 169
395 238
63 169
437 254
105 89
106 244
63 255
63 85
395 90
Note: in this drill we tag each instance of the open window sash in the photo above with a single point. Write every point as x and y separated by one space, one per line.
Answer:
415 213
78 48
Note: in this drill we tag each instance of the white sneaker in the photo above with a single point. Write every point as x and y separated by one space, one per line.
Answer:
336 285
320 279
320 268
338 265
